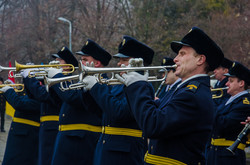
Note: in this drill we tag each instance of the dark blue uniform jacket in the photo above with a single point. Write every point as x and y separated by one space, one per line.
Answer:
117 149
76 146
178 128
227 125
22 142
50 106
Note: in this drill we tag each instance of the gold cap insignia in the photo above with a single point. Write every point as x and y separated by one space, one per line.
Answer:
62 49
190 30
123 42
164 61
87 43
233 65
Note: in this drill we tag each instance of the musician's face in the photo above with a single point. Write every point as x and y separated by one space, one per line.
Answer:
171 77
1 82
219 73
124 61
234 85
87 59
186 61
61 61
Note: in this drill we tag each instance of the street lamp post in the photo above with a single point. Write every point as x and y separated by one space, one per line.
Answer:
70 29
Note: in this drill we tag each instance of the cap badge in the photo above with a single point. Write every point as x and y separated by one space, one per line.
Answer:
164 61
62 49
233 65
190 30
123 42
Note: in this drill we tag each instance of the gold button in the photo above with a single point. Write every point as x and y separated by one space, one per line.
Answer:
103 141
63 115
215 149
152 147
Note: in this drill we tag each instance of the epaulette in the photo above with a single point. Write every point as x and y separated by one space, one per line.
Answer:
192 86
245 101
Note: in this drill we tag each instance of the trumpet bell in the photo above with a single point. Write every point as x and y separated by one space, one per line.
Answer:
70 68
221 90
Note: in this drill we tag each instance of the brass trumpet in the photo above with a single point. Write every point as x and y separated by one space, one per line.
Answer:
48 82
214 96
92 71
70 67
17 87
98 72
7 68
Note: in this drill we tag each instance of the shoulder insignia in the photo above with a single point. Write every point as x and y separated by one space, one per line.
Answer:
193 86
246 101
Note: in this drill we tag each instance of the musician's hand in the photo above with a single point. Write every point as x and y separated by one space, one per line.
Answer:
90 64
8 81
4 89
246 121
136 62
90 81
54 62
131 77
53 71
25 73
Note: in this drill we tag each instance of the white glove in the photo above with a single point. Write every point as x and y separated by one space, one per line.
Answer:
90 81
131 77
4 89
25 73
53 71
135 62
90 64
8 81
54 62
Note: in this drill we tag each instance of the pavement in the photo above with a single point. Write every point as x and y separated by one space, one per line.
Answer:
3 137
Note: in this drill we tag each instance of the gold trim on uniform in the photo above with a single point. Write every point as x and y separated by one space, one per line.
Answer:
192 86
26 121
161 160
226 143
49 118
246 101
85 127
121 131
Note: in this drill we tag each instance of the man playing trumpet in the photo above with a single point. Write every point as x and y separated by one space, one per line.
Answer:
51 105
219 74
121 141
178 128
80 116
227 125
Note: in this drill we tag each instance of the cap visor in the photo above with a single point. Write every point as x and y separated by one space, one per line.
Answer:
229 75
81 53
177 45
119 55
55 56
